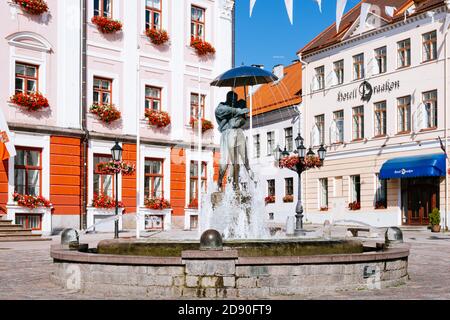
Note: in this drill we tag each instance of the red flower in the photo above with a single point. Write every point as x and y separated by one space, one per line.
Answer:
269 199
202 47
113 167
156 118
35 7
193 204
354 205
32 101
30 201
157 36
292 161
206 124
288 198
107 25
105 202
156 203
106 112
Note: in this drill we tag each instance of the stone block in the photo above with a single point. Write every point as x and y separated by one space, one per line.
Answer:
246 282
253 293
211 282
210 293
163 292
229 282
179 281
192 281
165 271
162 281
211 268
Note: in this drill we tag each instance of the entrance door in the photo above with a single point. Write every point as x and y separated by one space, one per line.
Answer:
419 197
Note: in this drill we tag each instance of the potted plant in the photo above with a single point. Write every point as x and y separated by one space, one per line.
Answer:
157 36
105 202
309 162
34 7
269 199
206 124
159 119
156 203
435 220
355 205
113 167
105 112
30 101
288 198
202 48
322 209
107 25
30 201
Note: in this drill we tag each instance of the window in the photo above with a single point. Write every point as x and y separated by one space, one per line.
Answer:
323 184
430 103
103 8
339 120
320 78
197 22
429 46
358 66
26 78
355 188
154 178
381 193
270 142
358 123
320 123
29 221
271 188
103 183
381 60
193 186
256 146
404 114
380 118
153 14
288 186
288 138
153 98
404 53
28 171
195 105
102 91
339 71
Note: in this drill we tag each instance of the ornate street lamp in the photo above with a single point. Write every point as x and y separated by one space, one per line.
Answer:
299 169
116 153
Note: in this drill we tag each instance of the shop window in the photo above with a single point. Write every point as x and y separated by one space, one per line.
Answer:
28 171
429 43
404 53
153 13
103 8
153 98
154 178
197 22
27 78
103 183
358 123
380 118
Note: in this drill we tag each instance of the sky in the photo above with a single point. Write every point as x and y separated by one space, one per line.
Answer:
268 38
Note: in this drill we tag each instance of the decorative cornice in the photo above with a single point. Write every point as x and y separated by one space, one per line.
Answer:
226 8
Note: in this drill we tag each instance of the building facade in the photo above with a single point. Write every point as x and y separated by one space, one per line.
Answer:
65 56
376 94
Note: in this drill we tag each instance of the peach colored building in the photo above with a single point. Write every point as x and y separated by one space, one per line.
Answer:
62 54
377 96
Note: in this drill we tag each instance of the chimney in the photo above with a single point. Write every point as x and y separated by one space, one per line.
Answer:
278 71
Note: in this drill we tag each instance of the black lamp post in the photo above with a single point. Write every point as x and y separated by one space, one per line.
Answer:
299 169
116 153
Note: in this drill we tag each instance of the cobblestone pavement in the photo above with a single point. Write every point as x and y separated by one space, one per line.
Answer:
25 269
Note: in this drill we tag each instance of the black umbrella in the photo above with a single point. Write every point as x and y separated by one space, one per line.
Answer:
244 76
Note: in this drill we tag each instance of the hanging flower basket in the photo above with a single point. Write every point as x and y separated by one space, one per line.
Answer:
269 199
202 48
105 202
160 119
156 203
113 167
288 198
105 112
157 36
309 162
34 7
354 205
107 25
193 204
30 101
206 124
31 202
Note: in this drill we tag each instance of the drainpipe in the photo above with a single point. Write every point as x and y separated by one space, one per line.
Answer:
85 138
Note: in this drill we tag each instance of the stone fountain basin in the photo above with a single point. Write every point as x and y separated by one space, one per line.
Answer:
243 248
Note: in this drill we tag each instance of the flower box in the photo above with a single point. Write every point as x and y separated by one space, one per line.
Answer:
113 167
34 7
288 198
206 124
157 36
105 202
380 205
105 112
193 204
269 199
160 119
107 25
30 201
309 162
322 209
156 203
354 205
202 48
30 101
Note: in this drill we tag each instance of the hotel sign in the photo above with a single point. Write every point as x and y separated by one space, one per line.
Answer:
365 91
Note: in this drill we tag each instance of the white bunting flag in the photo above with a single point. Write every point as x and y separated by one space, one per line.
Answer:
319 3
340 7
446 23
365 7
290 9
390 11
252 4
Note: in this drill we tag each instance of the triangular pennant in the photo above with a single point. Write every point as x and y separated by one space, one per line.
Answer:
340 7
252 4
290 9
319 3
390 11
365 7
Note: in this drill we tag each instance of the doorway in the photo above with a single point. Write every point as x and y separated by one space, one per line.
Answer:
419 197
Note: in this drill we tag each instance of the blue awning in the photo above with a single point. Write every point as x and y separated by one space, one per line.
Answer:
432 165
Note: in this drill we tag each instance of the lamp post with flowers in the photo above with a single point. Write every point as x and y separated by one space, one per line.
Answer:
116 153
299 162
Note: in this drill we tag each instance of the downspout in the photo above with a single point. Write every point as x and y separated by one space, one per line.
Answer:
85 139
